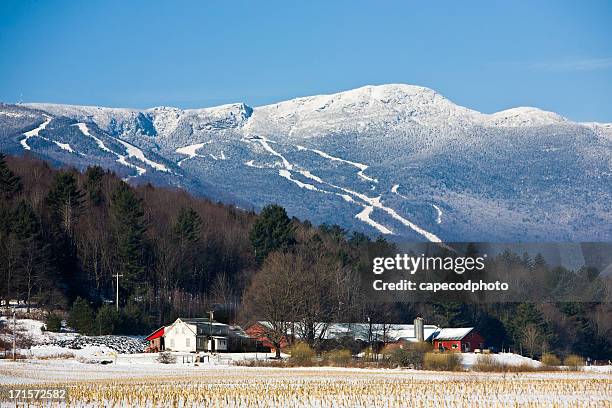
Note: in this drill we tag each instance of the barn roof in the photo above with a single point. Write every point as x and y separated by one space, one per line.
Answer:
456 333
361 331
157 333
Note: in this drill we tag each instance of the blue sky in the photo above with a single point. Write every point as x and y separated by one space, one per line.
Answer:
486 55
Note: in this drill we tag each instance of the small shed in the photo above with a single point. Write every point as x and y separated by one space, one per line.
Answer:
459 339
156 341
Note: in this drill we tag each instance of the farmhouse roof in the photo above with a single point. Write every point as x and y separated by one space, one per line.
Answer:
204 326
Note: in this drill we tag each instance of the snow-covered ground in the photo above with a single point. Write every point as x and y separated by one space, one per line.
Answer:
507 359
36 343
70 357
146 366
153 384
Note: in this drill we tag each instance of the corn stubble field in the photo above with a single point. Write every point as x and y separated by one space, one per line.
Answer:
347 388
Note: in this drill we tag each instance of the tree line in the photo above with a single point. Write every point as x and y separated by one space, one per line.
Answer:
65 234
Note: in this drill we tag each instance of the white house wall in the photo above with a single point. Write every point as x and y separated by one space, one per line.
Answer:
180 337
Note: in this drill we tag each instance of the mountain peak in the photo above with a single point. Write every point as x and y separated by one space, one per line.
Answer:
525 116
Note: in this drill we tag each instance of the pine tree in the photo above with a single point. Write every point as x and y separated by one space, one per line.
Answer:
188 225
93 184
129 229
272 231
107 320
65 200
81 317
31 254
9 182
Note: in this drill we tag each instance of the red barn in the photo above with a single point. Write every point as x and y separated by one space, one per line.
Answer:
156 341
461 339
259 332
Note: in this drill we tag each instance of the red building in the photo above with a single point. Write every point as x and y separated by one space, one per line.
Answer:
462 339
259 332
156 341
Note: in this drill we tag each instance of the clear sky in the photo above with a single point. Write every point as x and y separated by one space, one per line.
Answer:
486 55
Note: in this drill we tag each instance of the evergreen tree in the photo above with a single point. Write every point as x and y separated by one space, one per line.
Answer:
9 182
31 254
81 317
129 229
93 184
527 316
451 313
107 320
272 231
25 223
187 227
65 200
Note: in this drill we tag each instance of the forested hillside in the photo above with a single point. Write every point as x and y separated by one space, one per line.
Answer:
64 234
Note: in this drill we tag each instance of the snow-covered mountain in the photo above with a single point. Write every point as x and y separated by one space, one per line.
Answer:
398 160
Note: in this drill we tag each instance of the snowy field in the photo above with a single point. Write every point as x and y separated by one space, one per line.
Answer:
140 381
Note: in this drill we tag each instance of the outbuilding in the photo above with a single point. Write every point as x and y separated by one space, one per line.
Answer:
156 341
459 339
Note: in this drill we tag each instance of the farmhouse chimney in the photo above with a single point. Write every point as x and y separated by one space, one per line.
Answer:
419 329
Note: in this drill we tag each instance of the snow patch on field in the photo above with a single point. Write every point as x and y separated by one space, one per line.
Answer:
508 359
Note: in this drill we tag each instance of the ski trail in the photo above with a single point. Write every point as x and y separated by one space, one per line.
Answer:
83 128
375 203
369 203
287 174
34 132
439 217
264 143
365 217
438 209
121 159
64 146
135 152
190 151
362 167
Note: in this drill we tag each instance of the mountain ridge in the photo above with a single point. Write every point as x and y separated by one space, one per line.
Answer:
395 86
397 160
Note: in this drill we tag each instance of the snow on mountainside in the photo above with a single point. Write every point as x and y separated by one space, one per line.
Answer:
397 160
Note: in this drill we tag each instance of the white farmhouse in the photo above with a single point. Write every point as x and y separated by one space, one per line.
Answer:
196 334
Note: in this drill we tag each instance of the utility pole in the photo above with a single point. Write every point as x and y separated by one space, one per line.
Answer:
117 287
14 335
210 318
